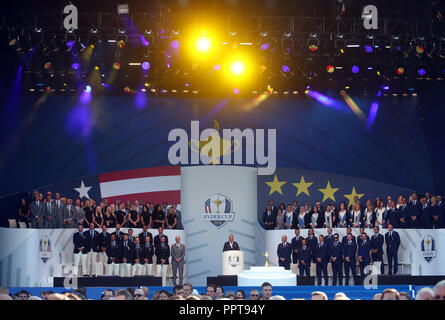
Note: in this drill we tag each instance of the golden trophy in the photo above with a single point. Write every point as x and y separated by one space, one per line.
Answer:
266 264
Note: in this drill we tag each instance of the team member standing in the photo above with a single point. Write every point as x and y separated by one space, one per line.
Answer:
296 245
322 258
79 242
377 241
363 253
304 259
284 252
114 253
127 256
162 252
335 252
178 259
148 253
349 252
92 249
392 240
104 239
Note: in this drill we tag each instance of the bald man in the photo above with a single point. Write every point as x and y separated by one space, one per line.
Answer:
230 245
284 253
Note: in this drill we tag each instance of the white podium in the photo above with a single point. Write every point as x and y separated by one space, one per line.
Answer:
232 262
277 276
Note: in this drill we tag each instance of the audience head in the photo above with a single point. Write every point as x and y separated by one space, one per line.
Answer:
390 294
178 290
318 295
266 290
439 290
219 292
123 295
188 289
139 294
211 291
425 294
107 294
254 294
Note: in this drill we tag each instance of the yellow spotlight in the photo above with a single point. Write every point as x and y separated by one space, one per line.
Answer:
237 68
203 44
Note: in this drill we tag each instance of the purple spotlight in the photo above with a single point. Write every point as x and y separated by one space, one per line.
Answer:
143 40
421 72
368 49
372 115
385 87
265 46
70 44
236 91
175 44
216 67
355 69
285 68
145 65
75 66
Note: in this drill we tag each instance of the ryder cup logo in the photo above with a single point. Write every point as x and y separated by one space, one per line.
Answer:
45 249
428 247
233 260
218 210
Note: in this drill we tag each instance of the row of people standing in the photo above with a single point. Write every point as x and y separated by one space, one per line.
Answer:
415 214
62 213
339 252
124 254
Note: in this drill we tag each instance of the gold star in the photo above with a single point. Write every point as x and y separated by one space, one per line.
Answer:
328 192
302 186
275 185
351 196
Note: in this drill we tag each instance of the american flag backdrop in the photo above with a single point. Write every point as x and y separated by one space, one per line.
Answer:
157 184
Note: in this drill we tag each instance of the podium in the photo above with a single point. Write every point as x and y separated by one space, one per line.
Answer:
232 262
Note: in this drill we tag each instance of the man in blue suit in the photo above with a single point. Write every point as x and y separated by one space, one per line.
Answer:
392 240
349 251
304 259
329 238
322 257
296 244
426 215
440 212
363 253
345 238
392 214
335 252
414 210
284 252
403 213
312 242
377 241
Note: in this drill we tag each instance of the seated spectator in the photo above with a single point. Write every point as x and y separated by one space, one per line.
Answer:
123 295
318 295
254 294
405 296
241 294
439 290
277 298
390 294
107 294
425 294
163 295
219 292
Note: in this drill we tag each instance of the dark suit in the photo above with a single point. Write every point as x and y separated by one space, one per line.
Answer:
329 239
392 247
377 241
296 245
284 251
392 216
119 237
322 252
37 212
103 240
363 251
441 213
270 217
148 252
349 251
114 251
79 241
157 240
336 251
142 237
403 213
426 217
138 253
304 254
127 252
414 211
162 253
345 239
92 242
312 243
227 246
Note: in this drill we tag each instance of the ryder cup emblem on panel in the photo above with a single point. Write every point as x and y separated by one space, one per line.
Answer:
233 260
428 247
45 248
218 210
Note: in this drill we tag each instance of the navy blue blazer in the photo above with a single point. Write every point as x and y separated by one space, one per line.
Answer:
92 242
427 217
322 252
363 251
392 215
336 251
114 251
79 241
349 250
377 242
393 242
304 255
284 252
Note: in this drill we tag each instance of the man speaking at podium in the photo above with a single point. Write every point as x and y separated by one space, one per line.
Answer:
230 245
